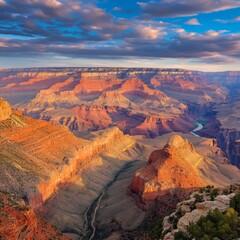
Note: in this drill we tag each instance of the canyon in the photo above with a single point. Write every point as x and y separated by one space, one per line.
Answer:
90 99
76 141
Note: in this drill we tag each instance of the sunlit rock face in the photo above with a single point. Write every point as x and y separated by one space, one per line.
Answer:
37 157
171 170
178 169
5 110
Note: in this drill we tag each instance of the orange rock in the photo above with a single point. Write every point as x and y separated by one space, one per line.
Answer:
19 222
171 171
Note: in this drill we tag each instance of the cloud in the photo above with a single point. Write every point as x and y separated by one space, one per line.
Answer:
80 29
117 9
176 8
210 46
236 19
193 21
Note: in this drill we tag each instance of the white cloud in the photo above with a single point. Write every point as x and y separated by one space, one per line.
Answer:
149 32
193 21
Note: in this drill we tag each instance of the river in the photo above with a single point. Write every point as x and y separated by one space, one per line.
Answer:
90 214
196 129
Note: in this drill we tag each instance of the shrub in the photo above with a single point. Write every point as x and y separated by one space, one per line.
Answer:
216 225
198 198
214 193
181 236
156 231
235 202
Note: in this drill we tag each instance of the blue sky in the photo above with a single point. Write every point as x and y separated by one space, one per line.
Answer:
202 35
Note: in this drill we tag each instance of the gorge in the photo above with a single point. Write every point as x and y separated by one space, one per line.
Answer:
94 150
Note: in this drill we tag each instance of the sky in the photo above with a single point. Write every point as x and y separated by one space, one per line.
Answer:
199 35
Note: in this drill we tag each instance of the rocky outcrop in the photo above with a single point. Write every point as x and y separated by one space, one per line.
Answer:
199 204
178 169
19 221
5 110
171 171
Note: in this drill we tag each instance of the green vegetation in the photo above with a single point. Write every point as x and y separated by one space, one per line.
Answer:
214 193
235 202
156 231
215 226
198 198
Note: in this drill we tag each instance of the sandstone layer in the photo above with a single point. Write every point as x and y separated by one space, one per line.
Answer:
19 221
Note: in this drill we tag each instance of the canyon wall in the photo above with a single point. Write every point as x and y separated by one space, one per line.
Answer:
229 141
228 137
38 157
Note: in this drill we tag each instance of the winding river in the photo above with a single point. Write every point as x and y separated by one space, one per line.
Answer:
196 129
90 214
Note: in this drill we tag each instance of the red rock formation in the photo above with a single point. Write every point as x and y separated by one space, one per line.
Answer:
19 222
171 171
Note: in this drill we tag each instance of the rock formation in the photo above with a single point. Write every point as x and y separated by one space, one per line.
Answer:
5 110
172 170
177 170
228 136
19 221
199 204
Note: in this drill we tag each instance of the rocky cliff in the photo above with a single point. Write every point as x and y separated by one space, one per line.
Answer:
198 205
40 161
19 221
5 109
36 157
228 136
178 169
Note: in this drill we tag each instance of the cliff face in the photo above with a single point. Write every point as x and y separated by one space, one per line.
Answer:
19 221
37 157
45 165
178 169
5 110
228 136
229 141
